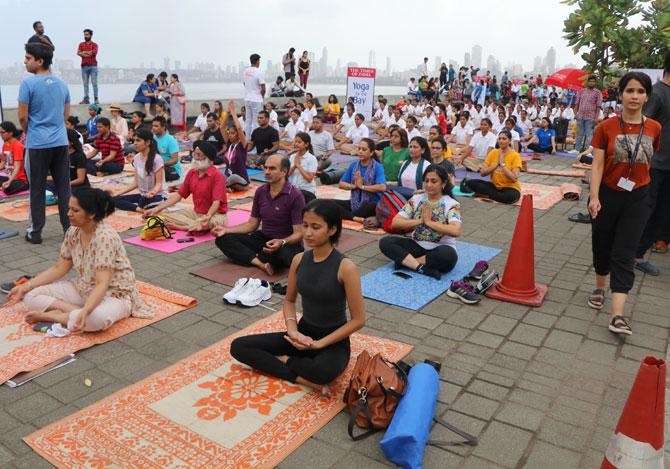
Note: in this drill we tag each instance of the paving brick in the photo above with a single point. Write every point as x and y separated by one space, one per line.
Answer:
33 406
74 387
488 390
531 399
520 416
597 352
503 444
563 341
485 339
476 406
539 319
497 325
425 321
529 335
451 331
513 349
313 450
543 455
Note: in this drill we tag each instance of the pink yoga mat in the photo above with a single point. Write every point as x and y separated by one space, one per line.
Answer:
9 196
235 217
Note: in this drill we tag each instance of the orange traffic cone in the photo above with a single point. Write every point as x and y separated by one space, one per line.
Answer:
518 282
638 439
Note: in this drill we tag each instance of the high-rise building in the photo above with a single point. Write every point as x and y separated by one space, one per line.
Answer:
551 60
166 63
537 64
372 59
324 62
389 72
466 60
177 64
476 56
438 62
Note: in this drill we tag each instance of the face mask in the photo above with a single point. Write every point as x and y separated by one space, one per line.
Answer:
201 165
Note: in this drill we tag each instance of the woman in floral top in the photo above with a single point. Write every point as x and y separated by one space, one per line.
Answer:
103 291
435 218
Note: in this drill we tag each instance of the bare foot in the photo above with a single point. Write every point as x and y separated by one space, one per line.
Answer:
283 358
359 219
54 315
100 174
267 268
326 391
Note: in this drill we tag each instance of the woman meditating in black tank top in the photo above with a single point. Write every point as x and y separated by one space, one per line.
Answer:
315 350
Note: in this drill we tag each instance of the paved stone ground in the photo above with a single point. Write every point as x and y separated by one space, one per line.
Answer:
541 387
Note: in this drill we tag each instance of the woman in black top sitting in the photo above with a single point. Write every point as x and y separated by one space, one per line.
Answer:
315 350
78 176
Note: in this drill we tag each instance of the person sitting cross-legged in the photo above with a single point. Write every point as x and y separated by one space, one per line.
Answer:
103 291
208 186
111 151
277 210
315 349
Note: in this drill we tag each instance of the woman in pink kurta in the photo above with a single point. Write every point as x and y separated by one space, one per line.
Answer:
177 103
103 290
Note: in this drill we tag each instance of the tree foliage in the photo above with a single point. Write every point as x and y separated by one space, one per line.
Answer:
601 30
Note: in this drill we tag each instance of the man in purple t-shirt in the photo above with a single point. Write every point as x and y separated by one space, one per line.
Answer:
277 209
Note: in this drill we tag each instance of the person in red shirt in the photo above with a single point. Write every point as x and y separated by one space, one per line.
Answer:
88 51
12 159
109 146
619 199
207 185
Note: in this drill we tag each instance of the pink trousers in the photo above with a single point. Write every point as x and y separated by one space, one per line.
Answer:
102 317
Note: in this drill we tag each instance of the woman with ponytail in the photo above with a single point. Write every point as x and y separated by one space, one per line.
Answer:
14 178
103 290
149 177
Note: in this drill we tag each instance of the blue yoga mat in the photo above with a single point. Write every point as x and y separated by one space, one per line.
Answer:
253 172
418 291
258 177
457 192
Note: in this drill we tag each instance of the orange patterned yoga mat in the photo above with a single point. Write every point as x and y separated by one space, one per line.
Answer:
22 349
19 210
544 196
206 411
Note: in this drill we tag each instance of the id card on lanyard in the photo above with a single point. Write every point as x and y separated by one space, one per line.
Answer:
625 182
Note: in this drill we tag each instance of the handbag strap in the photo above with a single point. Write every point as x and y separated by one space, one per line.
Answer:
401 374
470 440
360 407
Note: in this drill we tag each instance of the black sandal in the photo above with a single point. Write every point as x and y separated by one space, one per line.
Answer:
580 218
618 325
597 299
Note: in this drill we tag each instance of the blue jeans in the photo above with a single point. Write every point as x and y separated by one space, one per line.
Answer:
584 129
90 71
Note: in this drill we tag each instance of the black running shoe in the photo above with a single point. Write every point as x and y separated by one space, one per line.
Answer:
463 291
489 278
7 286
478 270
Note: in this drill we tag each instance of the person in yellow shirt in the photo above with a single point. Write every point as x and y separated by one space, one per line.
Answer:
331 111
504 166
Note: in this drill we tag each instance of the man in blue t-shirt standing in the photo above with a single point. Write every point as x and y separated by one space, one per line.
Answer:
44 106
168 147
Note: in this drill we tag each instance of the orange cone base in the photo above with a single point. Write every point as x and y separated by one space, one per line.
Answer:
534 297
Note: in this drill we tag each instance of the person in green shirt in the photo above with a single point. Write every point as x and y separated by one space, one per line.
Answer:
394 154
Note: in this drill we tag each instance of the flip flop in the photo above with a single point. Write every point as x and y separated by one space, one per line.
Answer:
42 327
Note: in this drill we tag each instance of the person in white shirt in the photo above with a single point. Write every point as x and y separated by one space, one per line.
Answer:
565 113
412 87
476 116
462 133
303 166
412 131
292 88
274 119
424 68
200 124
516 138
377 104
293 126
481 144
344 123
394 118
310 108
382 113
305 116
428 120
354 135
419 109
322 143
254 91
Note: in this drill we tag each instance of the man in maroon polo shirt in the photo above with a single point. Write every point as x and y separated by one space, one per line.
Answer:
208 187
88 51
277 209
110 148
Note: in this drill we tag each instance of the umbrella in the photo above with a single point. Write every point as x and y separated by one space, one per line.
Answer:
568 78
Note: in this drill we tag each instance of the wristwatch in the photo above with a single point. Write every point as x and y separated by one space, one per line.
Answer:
283 242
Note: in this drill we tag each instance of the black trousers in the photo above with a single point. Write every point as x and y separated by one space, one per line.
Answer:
364 211
396 248
658 225
616 232
537 148
322 366
41 163
15 186
506 195
309 196
107 168
242 248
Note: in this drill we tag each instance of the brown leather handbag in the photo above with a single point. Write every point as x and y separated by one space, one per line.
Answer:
373 393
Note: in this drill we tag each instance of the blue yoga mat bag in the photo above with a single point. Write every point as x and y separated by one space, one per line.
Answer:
407 435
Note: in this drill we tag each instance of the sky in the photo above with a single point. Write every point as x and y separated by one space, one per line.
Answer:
228 31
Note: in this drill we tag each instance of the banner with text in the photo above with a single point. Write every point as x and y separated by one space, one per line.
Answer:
361 89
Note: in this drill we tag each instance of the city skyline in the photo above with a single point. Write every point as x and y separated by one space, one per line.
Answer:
207 32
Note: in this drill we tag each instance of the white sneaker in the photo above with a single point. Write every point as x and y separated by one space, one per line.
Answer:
256 291
233 295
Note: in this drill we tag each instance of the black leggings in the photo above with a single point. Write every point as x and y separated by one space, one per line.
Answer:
322 366
616 233
396 248
659 218
366 210
506 195
308 196
242 248
107 168
537 148
15 186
